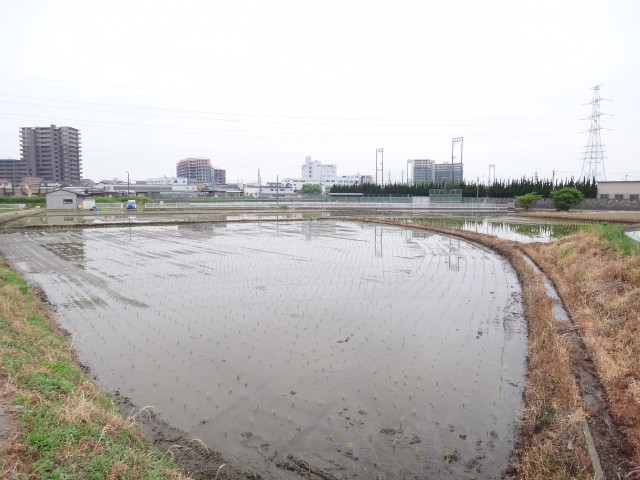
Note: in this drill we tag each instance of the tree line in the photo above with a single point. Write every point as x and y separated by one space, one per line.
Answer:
499 188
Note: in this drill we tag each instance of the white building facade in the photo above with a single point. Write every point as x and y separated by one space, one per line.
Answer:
271 189
167 181
327 175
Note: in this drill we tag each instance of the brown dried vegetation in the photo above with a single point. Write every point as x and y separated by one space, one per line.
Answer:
601 288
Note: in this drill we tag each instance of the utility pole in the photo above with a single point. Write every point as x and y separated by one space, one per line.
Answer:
593 163
128 190
259 184
380 166
492 166
553 179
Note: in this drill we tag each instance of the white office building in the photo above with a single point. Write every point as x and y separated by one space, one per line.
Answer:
327 175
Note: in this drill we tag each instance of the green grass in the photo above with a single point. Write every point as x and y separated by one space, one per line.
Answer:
69 428
615 235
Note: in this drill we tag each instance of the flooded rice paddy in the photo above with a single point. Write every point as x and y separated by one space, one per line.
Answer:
515 228
518 229
352 349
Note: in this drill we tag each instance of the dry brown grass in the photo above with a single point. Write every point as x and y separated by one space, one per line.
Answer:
601 287
630 217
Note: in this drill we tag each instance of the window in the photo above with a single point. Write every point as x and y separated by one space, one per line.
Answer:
634 196
67 201
604 196
619 196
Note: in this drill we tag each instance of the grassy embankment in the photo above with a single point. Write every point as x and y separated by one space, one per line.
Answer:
67 428
598 275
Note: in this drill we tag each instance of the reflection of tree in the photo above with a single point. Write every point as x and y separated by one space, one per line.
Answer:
530 230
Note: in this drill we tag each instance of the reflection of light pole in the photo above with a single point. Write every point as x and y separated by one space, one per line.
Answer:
128 185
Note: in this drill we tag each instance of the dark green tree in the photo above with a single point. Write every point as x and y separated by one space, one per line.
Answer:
567 197
311 189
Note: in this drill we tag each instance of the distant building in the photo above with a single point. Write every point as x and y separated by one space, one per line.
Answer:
14 170
314 170
327 175
297 183
195 169
219 176
53 153
167 181
423 170
271 189
448 173
620 190
64 199
428 171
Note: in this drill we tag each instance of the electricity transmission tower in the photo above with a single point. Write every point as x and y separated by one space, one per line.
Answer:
593 163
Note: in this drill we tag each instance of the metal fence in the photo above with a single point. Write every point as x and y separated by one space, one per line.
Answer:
13 206
466 206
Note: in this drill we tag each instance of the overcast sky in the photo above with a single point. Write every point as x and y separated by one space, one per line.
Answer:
262 84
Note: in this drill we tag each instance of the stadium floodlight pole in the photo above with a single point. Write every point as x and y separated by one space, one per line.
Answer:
381 167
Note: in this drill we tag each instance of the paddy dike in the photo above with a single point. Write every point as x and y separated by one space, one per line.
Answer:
332 347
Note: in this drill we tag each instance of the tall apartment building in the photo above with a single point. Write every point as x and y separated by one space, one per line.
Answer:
195 169
13 170
52 153
423 170
428 171
448 173
219 176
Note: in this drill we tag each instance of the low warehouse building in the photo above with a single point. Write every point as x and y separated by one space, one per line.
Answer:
64 199
622 190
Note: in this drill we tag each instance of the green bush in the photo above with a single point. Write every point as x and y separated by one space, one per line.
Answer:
567 197
27 200
528 200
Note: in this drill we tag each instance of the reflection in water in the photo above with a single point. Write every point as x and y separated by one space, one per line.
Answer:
511 230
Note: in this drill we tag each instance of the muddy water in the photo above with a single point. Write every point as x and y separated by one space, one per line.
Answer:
354 349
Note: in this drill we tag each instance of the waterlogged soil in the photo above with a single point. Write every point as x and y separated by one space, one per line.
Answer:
325 349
